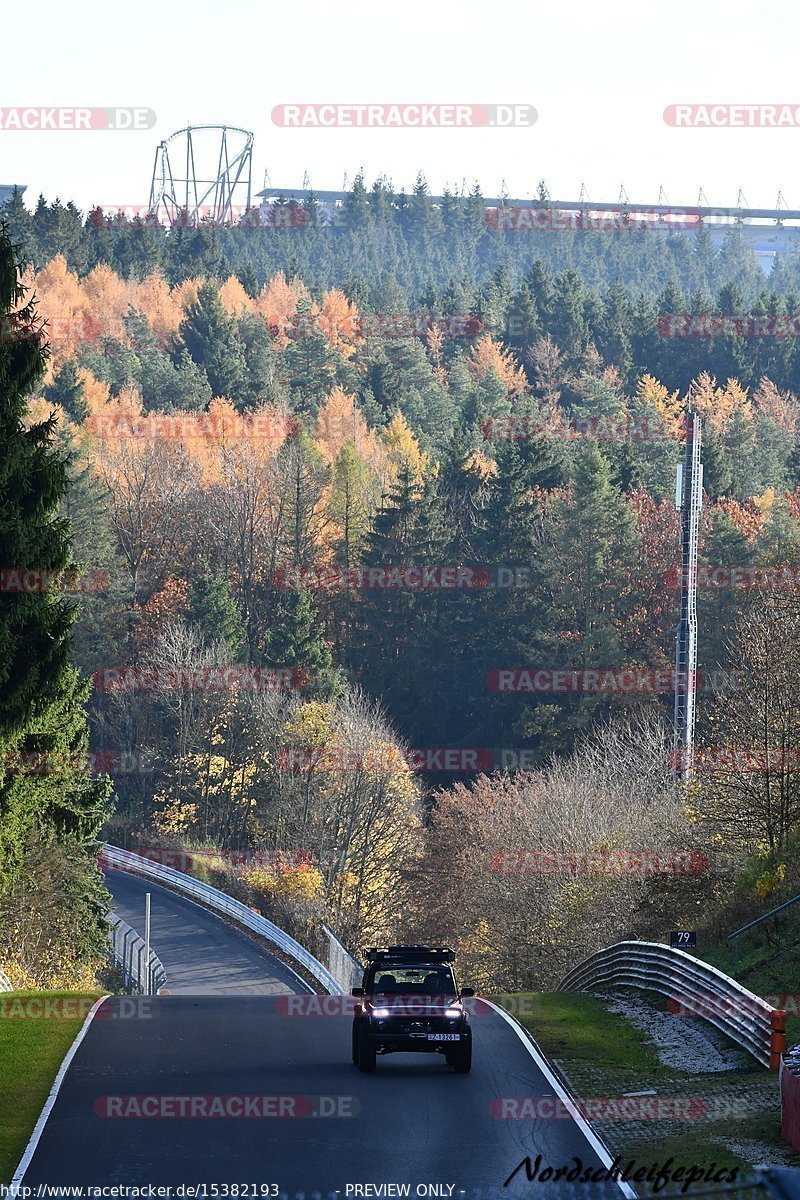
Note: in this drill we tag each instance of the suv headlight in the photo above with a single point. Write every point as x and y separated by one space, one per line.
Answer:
453 1012
380 1012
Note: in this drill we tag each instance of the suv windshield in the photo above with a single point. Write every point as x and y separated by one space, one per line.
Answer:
412 981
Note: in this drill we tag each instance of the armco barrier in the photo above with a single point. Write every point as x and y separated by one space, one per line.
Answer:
693 984
210 897
128 951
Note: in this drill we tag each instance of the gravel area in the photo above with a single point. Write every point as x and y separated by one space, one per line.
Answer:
681 1042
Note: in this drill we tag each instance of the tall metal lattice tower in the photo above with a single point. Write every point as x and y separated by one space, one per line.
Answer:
688 501
202 173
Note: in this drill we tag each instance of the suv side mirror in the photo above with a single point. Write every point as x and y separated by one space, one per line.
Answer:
467 991
356 991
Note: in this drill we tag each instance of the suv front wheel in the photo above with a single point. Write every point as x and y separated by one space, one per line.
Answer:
460 1057
366 1052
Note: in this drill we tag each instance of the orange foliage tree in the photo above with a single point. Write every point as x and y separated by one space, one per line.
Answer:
277 304
340 420
488 354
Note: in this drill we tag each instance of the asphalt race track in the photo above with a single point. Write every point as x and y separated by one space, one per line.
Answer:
201 953
321 1125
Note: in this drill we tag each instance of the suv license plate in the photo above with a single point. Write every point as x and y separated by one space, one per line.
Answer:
444 1037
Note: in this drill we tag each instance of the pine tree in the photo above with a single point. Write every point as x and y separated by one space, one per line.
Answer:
717 477
67 391
597 554
41 697
215 613
511 615
20 226
393 653
296 639
214 342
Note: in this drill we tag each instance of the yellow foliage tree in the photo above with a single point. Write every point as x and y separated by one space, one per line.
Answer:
780 407
234 298
487 354
62 305
173 815
403 450
186 294
293 883
95 393
106 300
765 503
717 403
669 406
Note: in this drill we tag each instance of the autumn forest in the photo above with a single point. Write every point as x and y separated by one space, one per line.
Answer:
364 476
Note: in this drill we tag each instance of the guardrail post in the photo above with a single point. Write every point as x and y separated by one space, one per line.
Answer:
777 1039
148 989
127 959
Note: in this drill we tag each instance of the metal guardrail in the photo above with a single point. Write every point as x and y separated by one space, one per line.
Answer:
128 951
346 970
5 983
211 897
698 987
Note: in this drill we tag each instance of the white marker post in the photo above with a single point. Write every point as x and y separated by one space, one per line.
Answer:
147 940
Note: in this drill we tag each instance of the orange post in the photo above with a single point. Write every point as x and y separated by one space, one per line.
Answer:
777 1039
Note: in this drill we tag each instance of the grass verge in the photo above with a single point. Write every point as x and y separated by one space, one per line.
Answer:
601 1054
31 1051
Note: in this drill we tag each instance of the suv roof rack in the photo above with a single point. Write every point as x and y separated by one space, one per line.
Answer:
411 953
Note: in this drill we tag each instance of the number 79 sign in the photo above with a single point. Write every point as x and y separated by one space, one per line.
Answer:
683 939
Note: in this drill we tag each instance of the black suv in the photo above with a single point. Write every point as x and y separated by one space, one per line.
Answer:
409 1002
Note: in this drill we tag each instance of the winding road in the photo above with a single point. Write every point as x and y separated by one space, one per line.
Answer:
240 1032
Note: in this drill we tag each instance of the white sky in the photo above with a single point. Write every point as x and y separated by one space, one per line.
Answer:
599 74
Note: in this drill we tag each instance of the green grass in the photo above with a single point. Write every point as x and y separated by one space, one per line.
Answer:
31 1051
685 1150
570 1025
